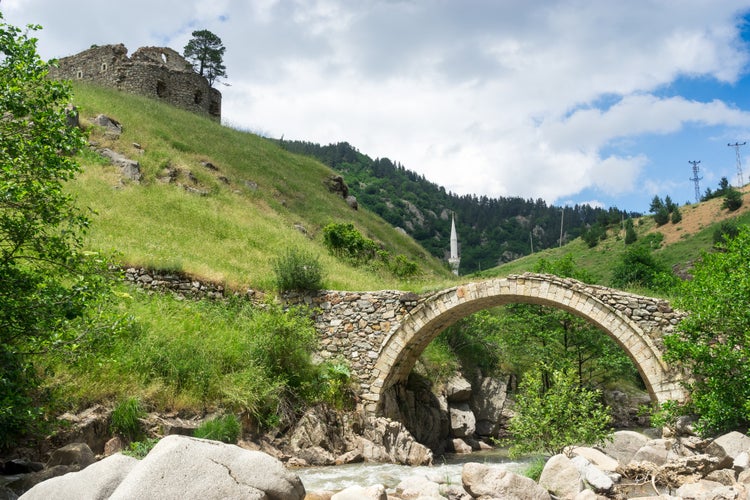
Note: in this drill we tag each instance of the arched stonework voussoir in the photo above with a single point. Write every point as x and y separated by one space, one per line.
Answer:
634 322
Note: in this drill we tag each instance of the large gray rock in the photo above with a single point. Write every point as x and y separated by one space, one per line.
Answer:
710 490
458 389
181 467
488 402
375 492
624 445
78 454
413 487
655 451
97 481
463 423
561 477
130 169
593 477
384 440
601 460
489 481
727 447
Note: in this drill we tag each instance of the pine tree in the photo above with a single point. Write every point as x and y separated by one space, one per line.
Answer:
205 52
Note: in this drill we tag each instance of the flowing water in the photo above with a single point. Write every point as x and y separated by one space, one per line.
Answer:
446 470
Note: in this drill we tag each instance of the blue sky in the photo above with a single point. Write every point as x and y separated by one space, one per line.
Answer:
573 101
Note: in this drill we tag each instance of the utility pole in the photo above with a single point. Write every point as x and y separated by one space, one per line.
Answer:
736 147
696 180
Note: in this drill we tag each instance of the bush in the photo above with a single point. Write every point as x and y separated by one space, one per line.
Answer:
638 267
126 418
139 449
563 416
344 241
661 216
297 270
732 200
676 215
726 231
226 429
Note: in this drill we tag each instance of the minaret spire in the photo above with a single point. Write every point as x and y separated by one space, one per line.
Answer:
454 260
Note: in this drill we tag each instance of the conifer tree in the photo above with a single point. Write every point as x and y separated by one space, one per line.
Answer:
205 52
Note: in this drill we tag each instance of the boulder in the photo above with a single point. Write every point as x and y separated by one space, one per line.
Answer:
98 480
600 460
375 492
709 490
463 423
741 462
596 479
624 445
384 440
423 413
458 389
352 202
181 467
130 169
655 451
561 477
727 447
460 446
77 454
414 487
487 402
112 126
493 481
90 426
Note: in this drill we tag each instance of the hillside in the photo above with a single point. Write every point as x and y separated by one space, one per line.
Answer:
681 244
219 203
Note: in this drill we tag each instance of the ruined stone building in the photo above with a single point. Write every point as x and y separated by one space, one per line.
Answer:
157 72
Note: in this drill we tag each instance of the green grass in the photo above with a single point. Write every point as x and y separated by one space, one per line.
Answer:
232 234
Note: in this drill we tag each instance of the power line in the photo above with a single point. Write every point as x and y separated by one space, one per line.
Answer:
736 147
696 179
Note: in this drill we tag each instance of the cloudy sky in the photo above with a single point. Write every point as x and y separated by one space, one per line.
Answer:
598 101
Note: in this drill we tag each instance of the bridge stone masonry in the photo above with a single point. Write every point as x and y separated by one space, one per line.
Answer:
381 334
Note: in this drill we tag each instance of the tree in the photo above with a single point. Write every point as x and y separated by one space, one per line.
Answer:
639 267
732 199
676 215
47 280
713 342
557 418
630 234
205 52
656 204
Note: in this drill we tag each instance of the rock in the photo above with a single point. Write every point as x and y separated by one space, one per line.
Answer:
414 487
113 127
460 446
707 490
487 402
744 477
597 458
20 466
454 492
352 202
130 169
98 480
655 451
183 467
421 411
350 457
592 476
335 184
375 492
78 454
384 440
624 445
561 477
317 429
458 389
722 476
463 423
28 481
91 426
496 482
741 462
114 445
315 455
727 447
72 119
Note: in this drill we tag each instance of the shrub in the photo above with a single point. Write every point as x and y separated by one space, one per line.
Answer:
661 216
401 267
139 449
297 270
726 231
563 416
732 200
226 429
676 215
126 418
630 234
344 241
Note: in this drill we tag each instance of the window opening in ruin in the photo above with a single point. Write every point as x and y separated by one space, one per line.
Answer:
198 97
79 75
164 57
104 66
161 89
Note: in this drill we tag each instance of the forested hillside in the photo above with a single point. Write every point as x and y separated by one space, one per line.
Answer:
491 231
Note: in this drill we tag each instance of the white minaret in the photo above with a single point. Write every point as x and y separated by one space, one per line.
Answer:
454 260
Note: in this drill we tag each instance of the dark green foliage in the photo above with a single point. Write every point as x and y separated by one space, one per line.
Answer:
713 342
724 188
139 449
656 205
206 53
298 270
47 280
490 230
676 215
638 267
630 234
732 200
126 419
226 429
555 417
661 216
344 241
727 230
594 234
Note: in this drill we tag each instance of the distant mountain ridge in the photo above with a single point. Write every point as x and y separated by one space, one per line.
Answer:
491 231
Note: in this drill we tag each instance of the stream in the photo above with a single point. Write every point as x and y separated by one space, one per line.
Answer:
446 469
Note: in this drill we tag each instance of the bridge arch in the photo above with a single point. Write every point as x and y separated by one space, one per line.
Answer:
637 331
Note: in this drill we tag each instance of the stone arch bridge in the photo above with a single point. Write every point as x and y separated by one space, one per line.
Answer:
381 334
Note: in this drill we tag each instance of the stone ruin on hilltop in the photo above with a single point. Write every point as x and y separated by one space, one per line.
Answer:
156 72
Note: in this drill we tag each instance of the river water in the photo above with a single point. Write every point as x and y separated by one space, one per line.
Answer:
446 470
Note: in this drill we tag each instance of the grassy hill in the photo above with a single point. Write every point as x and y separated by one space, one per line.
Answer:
681 243
219 203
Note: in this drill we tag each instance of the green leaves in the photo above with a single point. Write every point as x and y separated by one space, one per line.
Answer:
713 341
206 52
